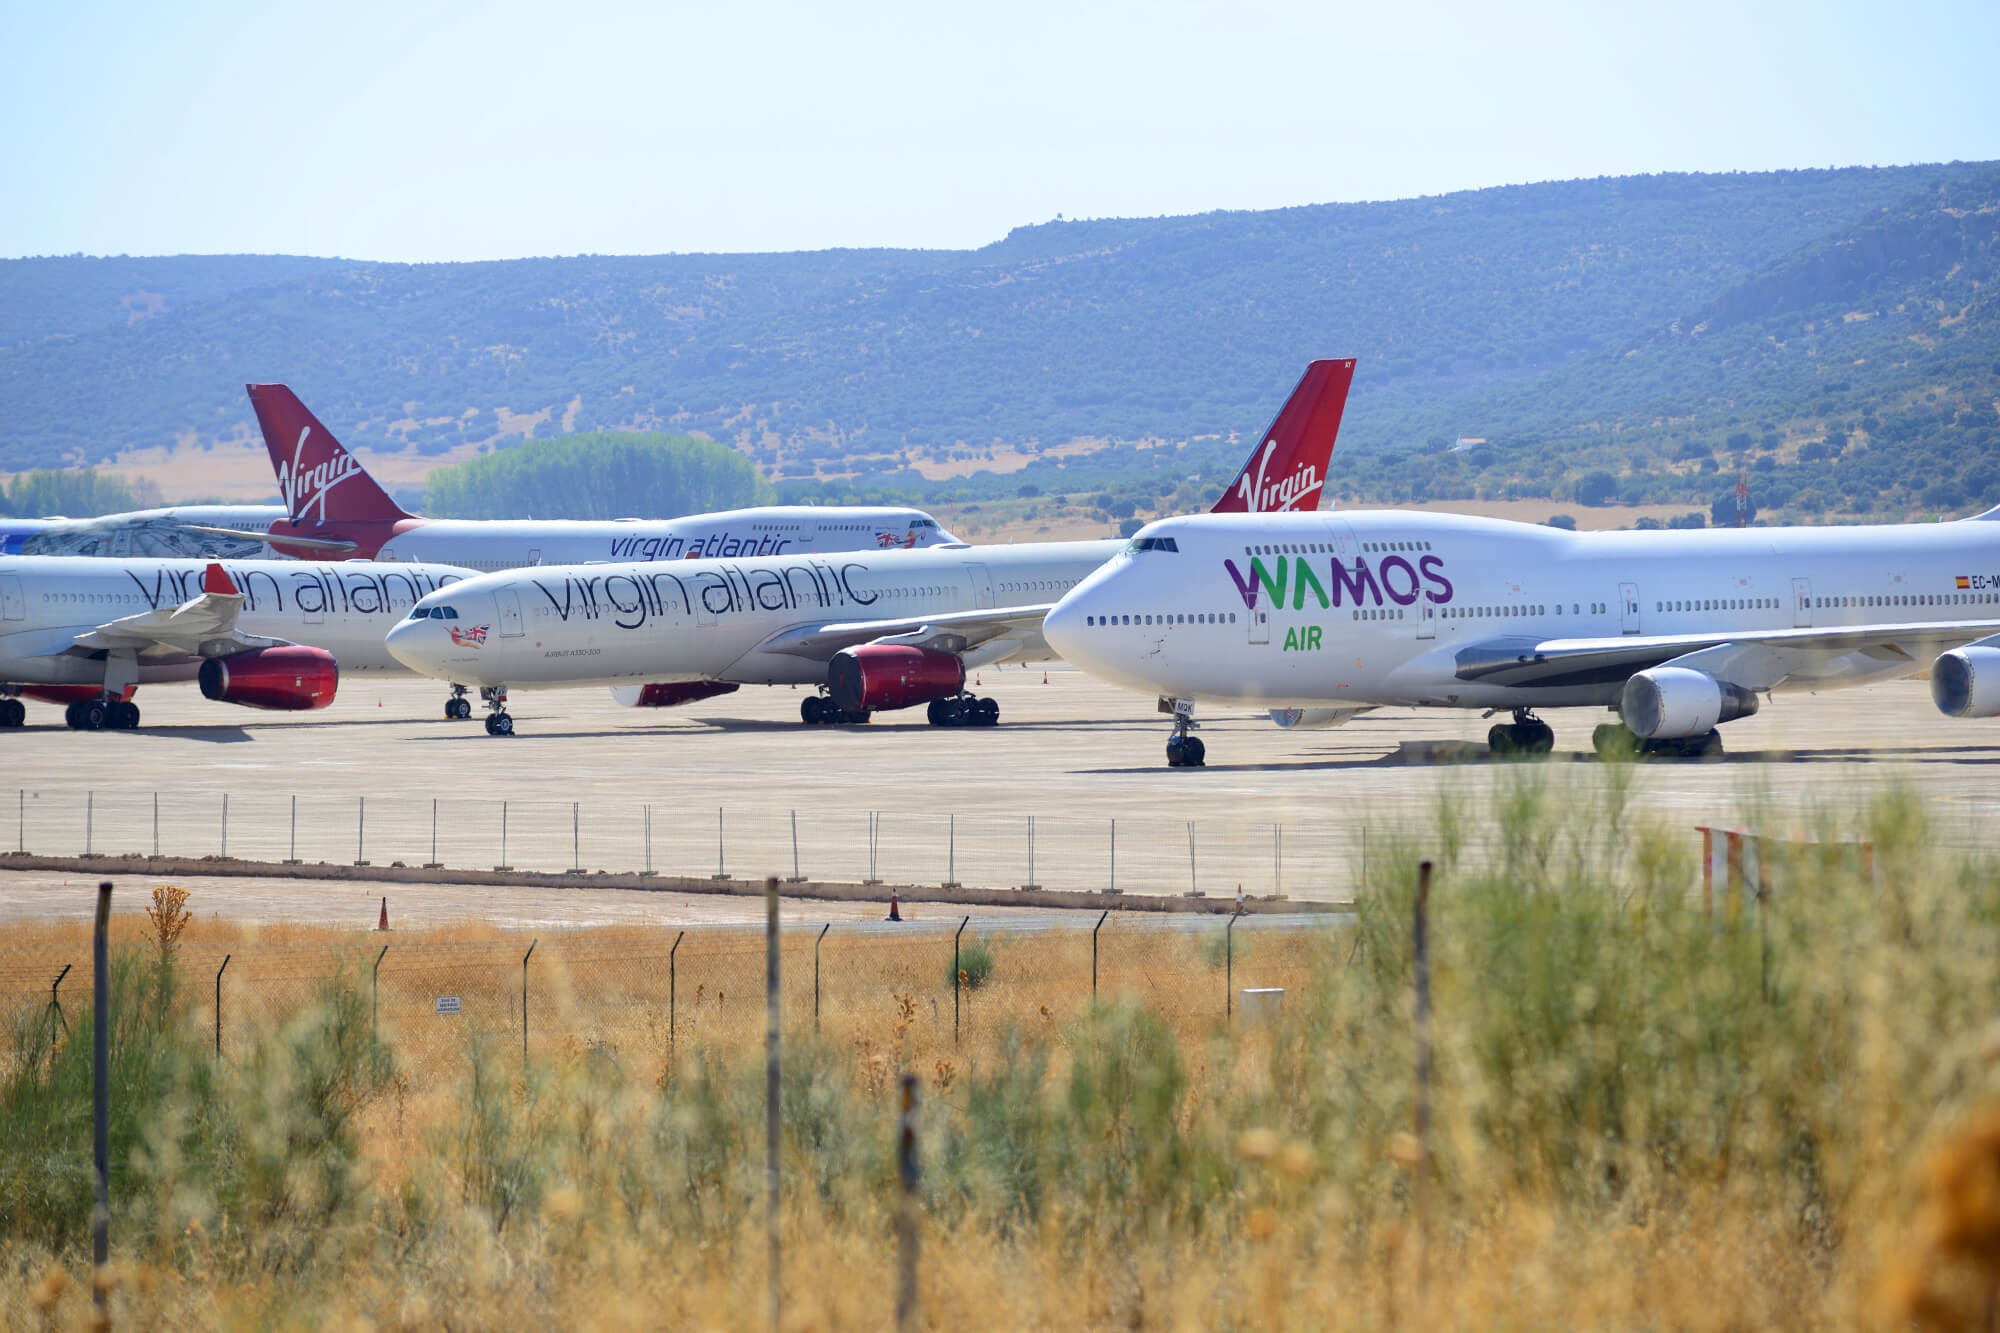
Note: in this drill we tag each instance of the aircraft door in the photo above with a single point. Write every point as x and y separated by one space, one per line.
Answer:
1801 603
1427 625
1628 608
982 586
534 555
510 613
12 605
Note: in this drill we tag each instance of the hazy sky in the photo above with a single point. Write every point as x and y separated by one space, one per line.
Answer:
421 131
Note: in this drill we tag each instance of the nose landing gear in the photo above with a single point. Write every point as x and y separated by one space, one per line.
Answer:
1184 750
458 707
1526 735
499 722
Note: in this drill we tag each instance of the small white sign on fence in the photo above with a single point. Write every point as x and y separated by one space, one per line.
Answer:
447 1004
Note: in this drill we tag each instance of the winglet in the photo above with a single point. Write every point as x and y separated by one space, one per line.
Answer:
215 579
317 478
1288 467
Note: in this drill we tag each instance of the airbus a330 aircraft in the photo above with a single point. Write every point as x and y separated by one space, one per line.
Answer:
232 532
874 632
1319 617
334 508
261 633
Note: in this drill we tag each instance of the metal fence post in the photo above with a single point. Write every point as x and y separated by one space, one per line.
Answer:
100 1103
361 832
218 1004
816 943
1031 884
1113 886
1278 860
670 987
156 825
874 841
721 871
434 863
649 838
21 823
576 837
225 825
771 1092
90 818
951 853
291 860
1421 949
796 878
375 992
1229 969
906 1208
1194 886
503 839
1093 955
524 998
957 979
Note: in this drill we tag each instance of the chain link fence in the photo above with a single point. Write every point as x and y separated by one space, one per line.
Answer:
1144 855
644 993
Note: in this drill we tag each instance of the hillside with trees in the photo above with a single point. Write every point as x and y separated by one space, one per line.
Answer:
598 475
1661 331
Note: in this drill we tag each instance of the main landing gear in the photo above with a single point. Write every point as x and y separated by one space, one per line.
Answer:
1184 750
12 712
1612 740
458 707
92 714
1526 734
817 710
499 722
964 710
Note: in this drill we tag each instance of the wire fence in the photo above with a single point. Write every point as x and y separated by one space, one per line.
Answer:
644 994
1145 855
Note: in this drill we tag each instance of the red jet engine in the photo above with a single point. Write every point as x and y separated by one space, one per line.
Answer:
287 679
892 675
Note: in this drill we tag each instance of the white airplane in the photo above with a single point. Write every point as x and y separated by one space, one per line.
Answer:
215 532
872 631
334 508
1319 617
261 633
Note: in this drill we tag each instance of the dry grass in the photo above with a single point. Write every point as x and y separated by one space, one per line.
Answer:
1643 1116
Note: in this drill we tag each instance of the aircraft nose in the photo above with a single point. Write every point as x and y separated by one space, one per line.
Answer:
1066 629
418 645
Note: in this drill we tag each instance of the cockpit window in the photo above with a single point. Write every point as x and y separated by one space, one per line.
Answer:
1138 544
434 613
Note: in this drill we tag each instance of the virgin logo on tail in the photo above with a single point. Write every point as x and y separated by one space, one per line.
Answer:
1262 496
301 489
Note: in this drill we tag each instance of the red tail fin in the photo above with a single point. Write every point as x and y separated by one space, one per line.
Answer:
318 479
215 579
1288 467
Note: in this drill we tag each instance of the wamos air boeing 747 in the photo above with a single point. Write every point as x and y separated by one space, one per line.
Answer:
1321 616
874 632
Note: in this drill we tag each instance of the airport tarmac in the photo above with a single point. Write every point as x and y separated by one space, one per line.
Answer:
587 783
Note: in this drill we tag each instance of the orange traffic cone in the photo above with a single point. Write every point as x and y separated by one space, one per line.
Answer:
895 912
383 922
1045 678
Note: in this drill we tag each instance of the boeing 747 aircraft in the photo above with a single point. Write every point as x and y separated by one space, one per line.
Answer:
1319 617
872 632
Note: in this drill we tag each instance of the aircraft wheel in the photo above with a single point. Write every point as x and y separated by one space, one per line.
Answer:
69 717
1193 753
939 713
816 710
124 715
12 713
499 724
1535 738
1500 740
1176 752
91 715
989 712
1705 747
1612 741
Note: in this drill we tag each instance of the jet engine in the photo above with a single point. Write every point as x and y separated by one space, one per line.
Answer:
1965 682
1670 702
290 678
892 675
1310 719
668 694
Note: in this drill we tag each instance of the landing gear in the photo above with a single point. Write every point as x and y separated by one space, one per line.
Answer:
12 712
97 715
124 715
1613 741
1525 735
1184 750
817 710
964 710
498 721
458 707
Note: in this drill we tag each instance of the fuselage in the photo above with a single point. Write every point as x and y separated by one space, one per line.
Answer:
345 608
1379 607
710 619
494 544
162 533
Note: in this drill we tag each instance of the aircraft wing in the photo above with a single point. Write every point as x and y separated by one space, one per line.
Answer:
331 547
1754 659
953 632
203 626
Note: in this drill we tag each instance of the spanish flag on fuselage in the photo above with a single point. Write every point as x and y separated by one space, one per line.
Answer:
1964 581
